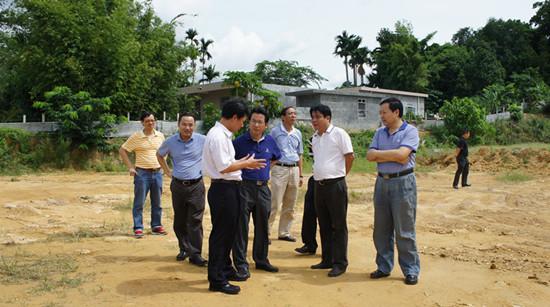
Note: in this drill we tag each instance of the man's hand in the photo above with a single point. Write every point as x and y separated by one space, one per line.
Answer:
301 181
132 172
168 173
251 163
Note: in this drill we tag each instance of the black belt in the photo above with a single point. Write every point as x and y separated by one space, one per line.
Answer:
398 174
187 182
329 181
256 182
225 181
150 170
287 164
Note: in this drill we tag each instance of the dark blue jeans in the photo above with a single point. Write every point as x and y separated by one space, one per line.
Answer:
145 182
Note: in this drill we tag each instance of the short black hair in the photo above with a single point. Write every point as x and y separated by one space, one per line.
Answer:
186 114
283 111
144 115
234 106
465 130
321 108
260 110
394 104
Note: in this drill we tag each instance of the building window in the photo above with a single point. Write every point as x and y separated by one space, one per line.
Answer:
410 109
361 108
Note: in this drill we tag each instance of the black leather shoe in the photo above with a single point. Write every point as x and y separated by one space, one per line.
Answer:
267 267
378 274
198 261
305 250
455 187
466 185
321 266
182 256
239 276
227 289
411 279
287 238
336 271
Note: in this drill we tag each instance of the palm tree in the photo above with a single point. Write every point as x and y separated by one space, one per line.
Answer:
343 49
354 61
191 36
360 57
203 50
209 74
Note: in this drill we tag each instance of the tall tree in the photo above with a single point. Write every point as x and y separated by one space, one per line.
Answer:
191 36
343 49
541 40
204 52
210 74
359 57
287 73
355 60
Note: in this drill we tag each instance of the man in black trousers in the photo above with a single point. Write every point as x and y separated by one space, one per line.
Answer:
333 158
309 219
463 165
224 199
255 193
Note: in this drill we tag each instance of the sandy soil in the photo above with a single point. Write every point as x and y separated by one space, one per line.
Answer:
66 242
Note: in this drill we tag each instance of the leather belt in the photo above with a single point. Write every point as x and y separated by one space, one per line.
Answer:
329 181
187 182
150 170
256 182
225 181
287 164
398 174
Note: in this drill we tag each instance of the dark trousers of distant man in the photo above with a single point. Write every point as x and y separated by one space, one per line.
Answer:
309 220
256 198
224 200
188 204
463 167
331 205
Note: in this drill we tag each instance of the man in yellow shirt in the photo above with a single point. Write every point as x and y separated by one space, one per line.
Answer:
146 172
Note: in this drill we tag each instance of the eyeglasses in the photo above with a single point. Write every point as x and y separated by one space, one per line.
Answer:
257 122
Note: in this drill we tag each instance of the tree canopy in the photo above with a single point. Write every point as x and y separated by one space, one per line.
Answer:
287 73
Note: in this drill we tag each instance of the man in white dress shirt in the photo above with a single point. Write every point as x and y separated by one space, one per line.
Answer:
224 193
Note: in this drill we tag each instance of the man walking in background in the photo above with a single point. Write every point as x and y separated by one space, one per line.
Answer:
146 172
462 163
255 193
187 187
393 148
333 158
286 175
224 194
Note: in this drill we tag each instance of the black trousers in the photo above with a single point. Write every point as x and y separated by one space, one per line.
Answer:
463 167
256 201
331 204
224 200
188 204
309 220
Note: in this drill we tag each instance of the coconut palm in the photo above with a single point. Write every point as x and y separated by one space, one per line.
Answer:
203 50
354 60
360 57
209 74
343 49
191 36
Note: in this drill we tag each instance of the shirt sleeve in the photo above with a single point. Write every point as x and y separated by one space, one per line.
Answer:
300 143
460 144
276 151
374 143
164 149
221 156
131 143
345 143
411 139
238 148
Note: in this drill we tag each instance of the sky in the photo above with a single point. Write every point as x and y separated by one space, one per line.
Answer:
246 32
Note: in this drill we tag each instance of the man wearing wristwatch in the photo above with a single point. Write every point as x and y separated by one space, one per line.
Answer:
286 174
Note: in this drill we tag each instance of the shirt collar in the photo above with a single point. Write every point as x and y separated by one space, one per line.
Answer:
284 129
328 131
181 140
226 131
403 127
141 134
249 137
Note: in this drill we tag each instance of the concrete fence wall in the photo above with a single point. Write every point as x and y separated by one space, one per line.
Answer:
120 130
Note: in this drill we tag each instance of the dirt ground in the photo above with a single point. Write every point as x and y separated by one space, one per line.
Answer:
65 241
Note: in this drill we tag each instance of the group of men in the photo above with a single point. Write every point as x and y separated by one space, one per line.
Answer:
240 170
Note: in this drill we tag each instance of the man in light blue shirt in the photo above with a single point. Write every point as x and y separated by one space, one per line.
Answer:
286 174
187 187
393 147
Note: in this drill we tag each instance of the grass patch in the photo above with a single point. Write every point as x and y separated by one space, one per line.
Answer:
20 269
106 230
514 176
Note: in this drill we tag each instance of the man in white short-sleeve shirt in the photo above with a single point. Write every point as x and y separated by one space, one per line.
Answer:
333 158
